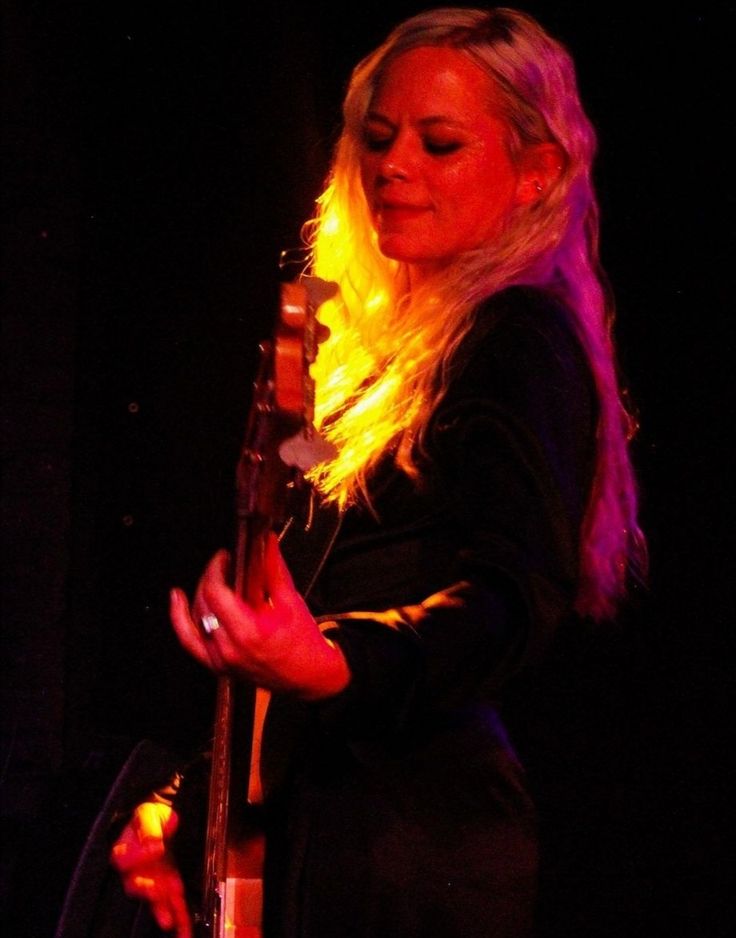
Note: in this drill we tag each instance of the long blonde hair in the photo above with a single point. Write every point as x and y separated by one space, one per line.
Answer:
383 370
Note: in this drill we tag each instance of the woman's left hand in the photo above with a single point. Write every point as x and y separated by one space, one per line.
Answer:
275 644
147 869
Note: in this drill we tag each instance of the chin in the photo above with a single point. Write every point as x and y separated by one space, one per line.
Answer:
398 250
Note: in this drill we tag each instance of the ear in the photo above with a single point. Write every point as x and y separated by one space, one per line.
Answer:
541 165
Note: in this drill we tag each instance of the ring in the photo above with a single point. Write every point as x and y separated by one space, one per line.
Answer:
210 624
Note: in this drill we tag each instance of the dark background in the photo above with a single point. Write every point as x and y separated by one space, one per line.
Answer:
156 158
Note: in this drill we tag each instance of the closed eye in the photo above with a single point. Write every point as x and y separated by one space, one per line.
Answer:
441 148
376 143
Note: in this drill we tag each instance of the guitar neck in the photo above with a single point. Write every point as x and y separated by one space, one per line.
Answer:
277 448
249 577
235 785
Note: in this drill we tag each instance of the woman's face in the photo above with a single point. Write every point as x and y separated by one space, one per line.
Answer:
434 162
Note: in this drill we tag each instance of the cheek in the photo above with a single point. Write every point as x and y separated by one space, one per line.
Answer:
486 178
368 168
368 188
477 206
493 190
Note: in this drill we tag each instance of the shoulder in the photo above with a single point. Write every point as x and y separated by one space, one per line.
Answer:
522 342
520 388
531 306
515 430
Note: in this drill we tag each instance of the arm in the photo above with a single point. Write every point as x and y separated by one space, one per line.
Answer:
509 463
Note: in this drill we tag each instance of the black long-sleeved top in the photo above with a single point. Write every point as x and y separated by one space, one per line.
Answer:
399 807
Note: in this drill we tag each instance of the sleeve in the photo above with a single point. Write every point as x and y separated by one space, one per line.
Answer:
512 448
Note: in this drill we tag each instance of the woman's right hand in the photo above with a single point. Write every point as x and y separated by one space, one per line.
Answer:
147 869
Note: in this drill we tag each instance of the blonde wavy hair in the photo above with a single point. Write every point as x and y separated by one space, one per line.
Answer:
384 368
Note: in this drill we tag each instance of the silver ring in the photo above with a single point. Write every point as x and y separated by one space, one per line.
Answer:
210 624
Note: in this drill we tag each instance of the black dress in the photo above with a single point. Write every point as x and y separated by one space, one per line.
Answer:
399 808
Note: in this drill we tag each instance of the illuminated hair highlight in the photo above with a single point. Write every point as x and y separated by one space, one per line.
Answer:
384 368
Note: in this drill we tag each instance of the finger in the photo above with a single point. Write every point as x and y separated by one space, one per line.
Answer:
180 914
215 597
163 890
171 912
128 854
279 583
163 914
154 821
235 615
187 630
215 593
216 576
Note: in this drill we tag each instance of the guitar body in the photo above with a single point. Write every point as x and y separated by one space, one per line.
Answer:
243 889
279 445
240 890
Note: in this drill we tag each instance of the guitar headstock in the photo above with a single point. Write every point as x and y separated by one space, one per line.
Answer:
296 340
281 442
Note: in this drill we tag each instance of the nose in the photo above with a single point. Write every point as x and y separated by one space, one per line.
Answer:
398 160
392 168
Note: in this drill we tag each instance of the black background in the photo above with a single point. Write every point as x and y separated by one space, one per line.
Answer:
157 157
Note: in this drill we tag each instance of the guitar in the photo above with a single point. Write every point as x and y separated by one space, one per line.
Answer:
279 445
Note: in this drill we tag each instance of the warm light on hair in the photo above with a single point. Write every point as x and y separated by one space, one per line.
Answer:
382 372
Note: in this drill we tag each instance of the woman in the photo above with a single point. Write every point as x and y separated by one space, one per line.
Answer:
483 483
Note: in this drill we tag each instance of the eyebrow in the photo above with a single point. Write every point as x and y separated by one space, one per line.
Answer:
428 121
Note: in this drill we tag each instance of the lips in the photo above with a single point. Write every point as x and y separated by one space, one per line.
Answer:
390 205
395 211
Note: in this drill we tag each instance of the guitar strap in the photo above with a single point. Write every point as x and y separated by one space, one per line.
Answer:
307 539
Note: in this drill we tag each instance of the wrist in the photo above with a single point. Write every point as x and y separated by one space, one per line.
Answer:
166 795
330 673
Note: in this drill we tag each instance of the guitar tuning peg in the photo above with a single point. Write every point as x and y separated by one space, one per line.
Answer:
319 290
305 450
321 333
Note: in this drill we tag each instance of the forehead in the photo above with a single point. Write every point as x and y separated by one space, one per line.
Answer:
436 80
